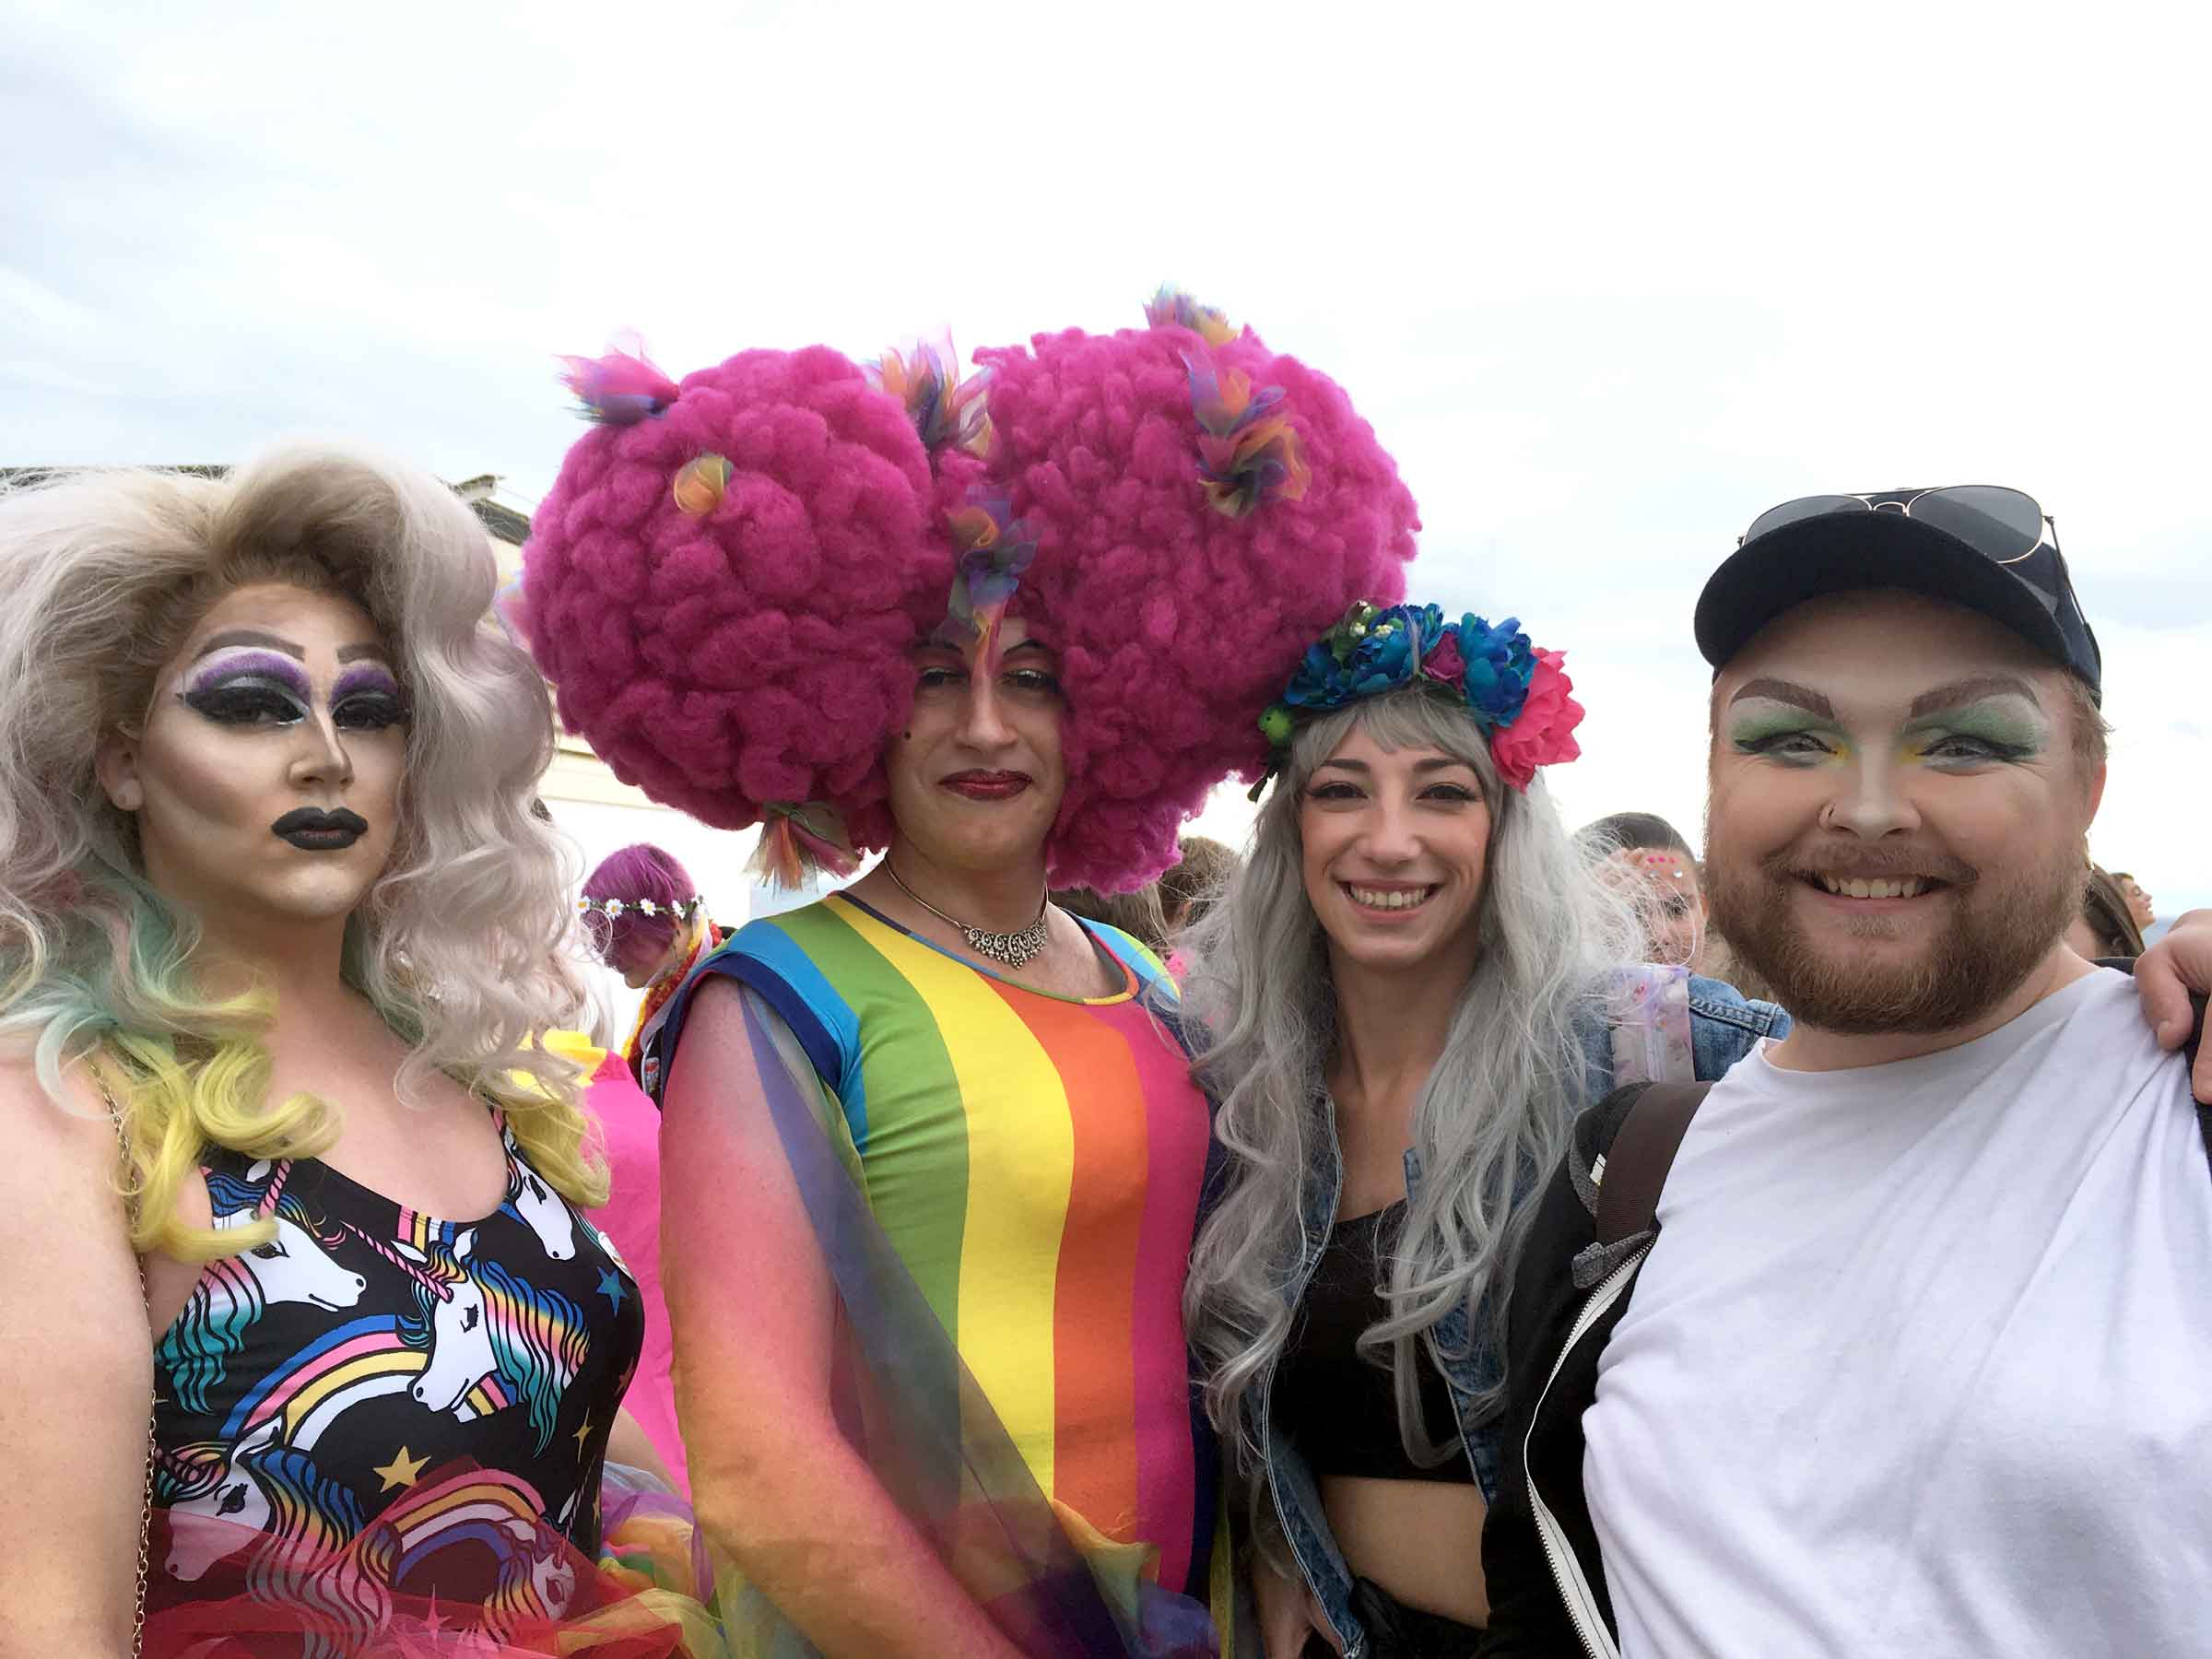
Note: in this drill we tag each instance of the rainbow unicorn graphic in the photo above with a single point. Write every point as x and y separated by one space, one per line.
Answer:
270 1500
360 1360
492 1340
537 1206
313 1556
214 1494
534 1574
232 1292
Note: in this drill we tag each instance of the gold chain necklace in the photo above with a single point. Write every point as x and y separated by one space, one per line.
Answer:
1012 949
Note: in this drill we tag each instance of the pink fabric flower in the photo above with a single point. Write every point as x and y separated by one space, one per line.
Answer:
1543 733
1444 664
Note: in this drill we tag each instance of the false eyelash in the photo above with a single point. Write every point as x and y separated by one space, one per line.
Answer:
1764 743
237 701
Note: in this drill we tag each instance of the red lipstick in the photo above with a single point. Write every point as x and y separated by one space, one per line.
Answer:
986 785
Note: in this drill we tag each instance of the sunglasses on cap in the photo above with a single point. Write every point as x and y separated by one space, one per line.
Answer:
2004 525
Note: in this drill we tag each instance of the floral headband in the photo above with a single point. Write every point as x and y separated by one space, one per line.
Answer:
1518 692
681 909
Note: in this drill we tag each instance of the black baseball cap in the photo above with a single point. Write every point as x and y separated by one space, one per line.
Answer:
1964 545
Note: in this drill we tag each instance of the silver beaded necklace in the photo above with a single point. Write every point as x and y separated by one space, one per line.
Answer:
1012 949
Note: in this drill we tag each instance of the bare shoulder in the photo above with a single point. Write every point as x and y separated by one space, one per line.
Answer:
63 1231
717 1028
718 1007
729 1035
46 1135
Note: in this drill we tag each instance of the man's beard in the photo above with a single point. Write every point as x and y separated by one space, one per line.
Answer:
2000 927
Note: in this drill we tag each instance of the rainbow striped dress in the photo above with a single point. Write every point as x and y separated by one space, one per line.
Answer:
1035 1162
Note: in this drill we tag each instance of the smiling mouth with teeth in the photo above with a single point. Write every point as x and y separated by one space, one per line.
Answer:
1390 899
1896 886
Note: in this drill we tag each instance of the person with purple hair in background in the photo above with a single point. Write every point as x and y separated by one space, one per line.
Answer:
646 918
934 1157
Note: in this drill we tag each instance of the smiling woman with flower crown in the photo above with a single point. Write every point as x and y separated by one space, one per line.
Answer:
1408 995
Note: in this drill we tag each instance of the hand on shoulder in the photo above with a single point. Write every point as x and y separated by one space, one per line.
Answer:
2167 975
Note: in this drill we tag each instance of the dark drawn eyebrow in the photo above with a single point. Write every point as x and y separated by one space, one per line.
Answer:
1962 692
291 648
1786 691
247 636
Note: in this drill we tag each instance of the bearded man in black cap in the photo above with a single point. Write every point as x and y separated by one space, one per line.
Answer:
1918 1353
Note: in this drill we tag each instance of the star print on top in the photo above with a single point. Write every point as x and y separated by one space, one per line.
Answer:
373 1363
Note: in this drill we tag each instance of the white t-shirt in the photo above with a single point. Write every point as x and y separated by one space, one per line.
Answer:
1921 1362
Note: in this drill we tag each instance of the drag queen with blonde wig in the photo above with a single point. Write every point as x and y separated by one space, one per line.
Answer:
277 929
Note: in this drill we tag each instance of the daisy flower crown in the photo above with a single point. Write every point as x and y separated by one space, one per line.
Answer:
681 909
1517 692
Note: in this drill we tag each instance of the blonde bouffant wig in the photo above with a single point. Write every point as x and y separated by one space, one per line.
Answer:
461 945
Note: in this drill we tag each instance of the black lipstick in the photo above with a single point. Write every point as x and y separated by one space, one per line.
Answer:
313 831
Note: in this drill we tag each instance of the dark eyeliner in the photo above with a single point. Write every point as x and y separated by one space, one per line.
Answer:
240 700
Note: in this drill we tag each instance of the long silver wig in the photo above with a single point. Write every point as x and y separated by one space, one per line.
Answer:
1490 1120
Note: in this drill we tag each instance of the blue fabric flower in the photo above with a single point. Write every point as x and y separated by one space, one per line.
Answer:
1369 651
1500 663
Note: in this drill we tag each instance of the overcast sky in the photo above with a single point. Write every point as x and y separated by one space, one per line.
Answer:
1608 282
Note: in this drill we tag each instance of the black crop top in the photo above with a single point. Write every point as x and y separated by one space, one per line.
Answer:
1340 1410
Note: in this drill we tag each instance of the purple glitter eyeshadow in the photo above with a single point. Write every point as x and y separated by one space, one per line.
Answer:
221 670
365 677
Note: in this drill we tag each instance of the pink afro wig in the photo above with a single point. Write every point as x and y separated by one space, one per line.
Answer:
1177 624
726 581
755 652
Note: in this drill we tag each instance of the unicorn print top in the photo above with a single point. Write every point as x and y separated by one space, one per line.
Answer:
448 1383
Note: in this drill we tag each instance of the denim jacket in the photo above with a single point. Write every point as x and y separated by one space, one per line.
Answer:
1724 1026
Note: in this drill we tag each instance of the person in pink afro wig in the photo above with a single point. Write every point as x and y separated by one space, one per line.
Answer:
753 655
1011 629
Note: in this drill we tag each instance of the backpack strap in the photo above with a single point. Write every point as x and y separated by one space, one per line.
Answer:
1641 1154
2189 1053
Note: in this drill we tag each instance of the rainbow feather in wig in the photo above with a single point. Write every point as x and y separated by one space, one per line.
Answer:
700 485
791 849
948 412
1171 305
994 554
1247 449
620 388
